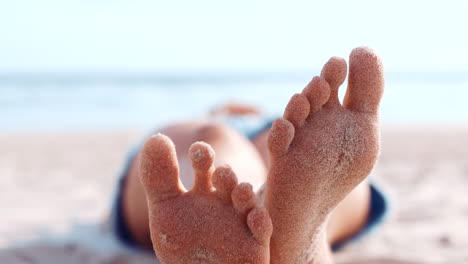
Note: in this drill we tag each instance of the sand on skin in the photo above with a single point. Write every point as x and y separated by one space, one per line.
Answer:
55 190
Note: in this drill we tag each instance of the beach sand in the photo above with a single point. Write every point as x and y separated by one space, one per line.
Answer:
56 190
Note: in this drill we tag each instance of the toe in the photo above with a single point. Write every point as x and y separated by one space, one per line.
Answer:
224 180
317 92
159 170
243 198
260 224
202 158
281 135
334 72
366 81
297 110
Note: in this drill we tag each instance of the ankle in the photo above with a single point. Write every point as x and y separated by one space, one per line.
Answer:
319 251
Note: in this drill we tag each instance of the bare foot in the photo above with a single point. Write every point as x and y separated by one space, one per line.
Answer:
319 152
204 225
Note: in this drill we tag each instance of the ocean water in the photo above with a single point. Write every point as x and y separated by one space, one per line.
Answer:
82 102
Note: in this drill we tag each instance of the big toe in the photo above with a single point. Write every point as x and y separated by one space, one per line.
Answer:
365 82
159 170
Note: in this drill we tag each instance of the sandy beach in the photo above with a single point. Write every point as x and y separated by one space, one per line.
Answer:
56 190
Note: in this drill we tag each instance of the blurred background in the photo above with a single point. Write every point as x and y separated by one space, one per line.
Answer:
117 64
82 81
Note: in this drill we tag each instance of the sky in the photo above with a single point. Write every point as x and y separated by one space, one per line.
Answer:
178 35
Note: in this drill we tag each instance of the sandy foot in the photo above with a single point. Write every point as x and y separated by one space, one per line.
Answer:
220 224
319 152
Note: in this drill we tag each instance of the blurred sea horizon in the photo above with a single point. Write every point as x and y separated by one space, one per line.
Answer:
141 100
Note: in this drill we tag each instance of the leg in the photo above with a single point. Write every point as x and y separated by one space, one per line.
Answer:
230 147
350 215
319 152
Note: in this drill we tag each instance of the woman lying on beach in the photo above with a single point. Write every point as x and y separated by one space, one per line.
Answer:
282 192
